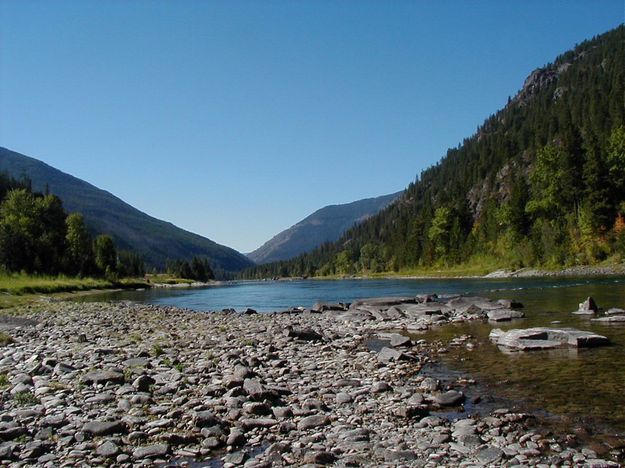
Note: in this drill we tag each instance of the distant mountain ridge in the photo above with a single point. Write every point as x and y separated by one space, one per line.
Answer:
324 225
154 239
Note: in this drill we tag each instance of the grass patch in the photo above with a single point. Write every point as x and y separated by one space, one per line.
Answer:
25 399
21 284
164 278
4 380
18 289
5 339
157 350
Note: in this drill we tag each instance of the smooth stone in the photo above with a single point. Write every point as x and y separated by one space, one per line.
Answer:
104 427
319 458
343 398
380 387
108 449
282 412
449 398
151 451
253 423
104 376
502 315
310 422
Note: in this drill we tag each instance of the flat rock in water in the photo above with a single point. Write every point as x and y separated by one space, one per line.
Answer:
610 319
502 315
615 311
399 340
546 338
450 398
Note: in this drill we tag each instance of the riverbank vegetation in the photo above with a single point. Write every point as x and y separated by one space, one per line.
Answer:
540 184
44 250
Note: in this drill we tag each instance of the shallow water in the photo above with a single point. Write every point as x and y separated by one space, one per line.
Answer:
586 385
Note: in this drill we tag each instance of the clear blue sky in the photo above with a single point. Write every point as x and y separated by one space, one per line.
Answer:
236 119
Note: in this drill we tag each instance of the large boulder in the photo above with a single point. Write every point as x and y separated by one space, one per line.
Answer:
546 338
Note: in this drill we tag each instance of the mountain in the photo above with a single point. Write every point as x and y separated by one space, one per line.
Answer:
132 229
324 225
541 183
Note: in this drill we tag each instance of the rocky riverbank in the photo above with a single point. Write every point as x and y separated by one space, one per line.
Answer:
134 385
581 270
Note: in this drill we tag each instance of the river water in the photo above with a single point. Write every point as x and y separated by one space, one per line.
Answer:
586 386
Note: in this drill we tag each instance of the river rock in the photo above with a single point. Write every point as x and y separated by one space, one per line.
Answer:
305 334
615 311
205 419
389 354
610 319
143 383
151 451
502 315
588 307
313 421
103 376
100 428
546 338
328 306
108 449
449 398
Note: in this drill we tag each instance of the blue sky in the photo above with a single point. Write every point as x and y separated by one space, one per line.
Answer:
236 119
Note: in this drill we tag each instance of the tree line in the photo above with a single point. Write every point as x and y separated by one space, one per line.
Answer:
540 183
37 236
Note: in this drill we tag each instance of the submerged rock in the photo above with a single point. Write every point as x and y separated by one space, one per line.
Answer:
610 319
546 338
615 311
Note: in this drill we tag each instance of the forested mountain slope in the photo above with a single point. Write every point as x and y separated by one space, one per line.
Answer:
324 225
541 183
155 240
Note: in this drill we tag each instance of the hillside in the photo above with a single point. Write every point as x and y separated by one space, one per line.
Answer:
131 229
324 225
541 183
